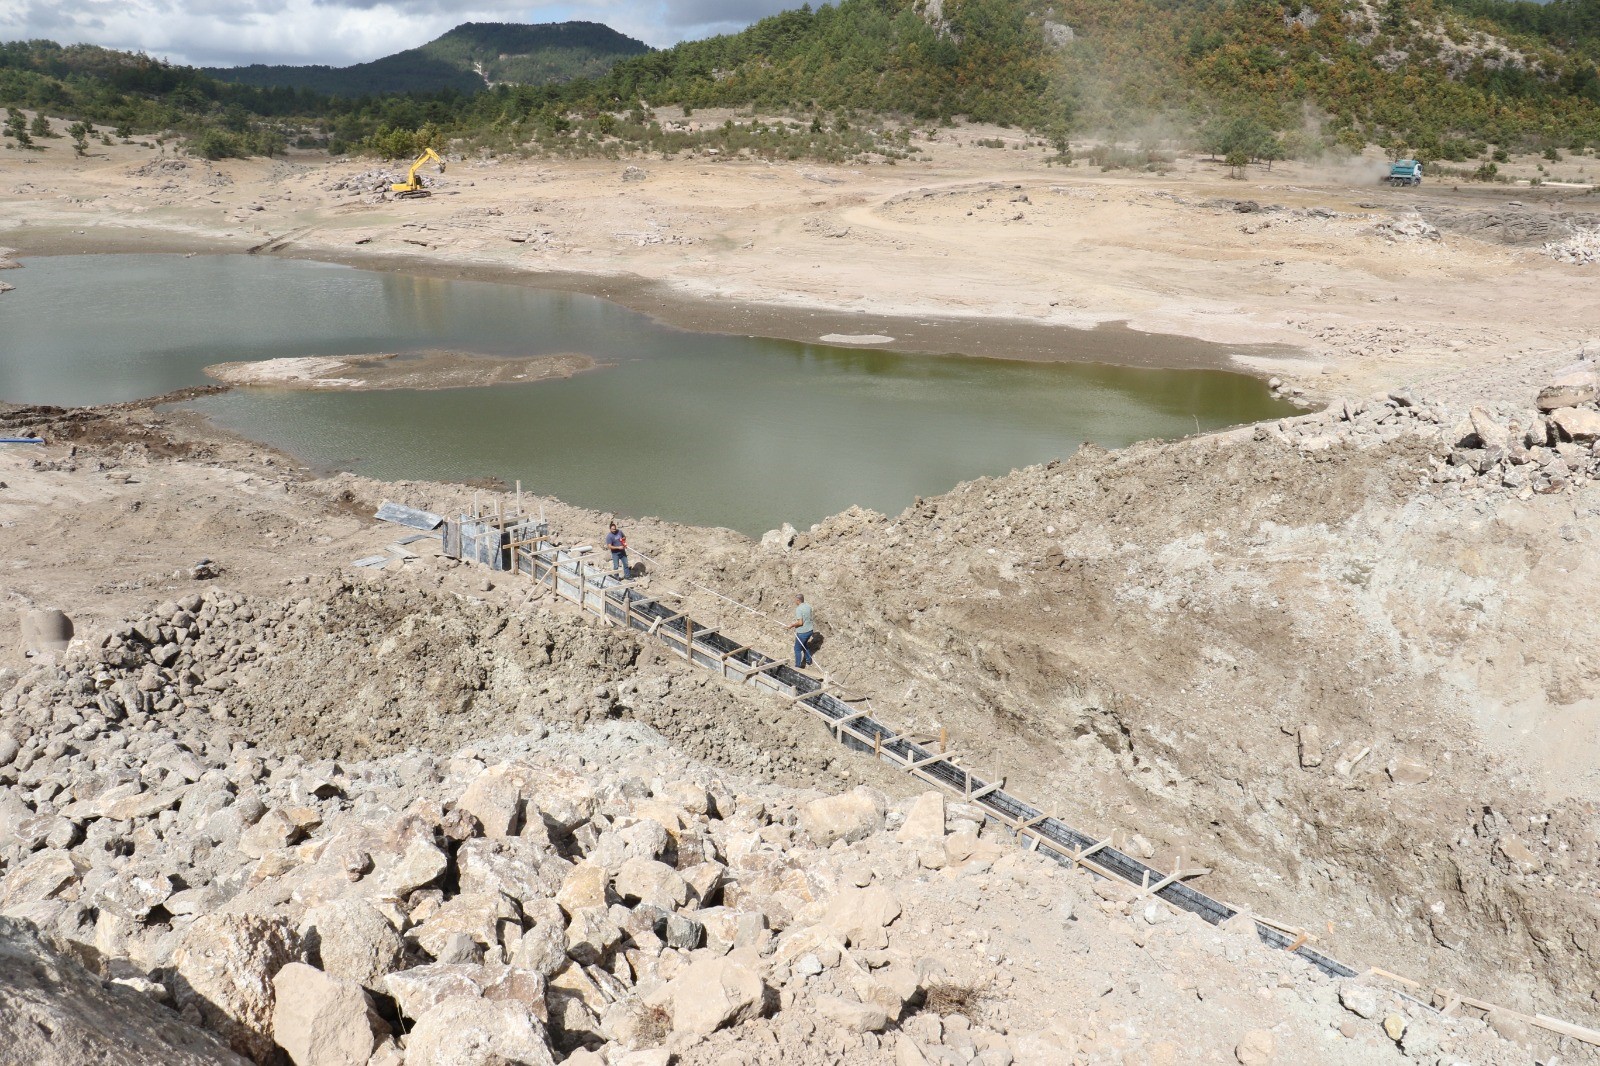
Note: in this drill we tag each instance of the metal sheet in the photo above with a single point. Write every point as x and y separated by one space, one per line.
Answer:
401 515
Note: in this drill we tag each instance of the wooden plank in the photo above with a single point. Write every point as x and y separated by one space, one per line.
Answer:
659 622
993 786
1287 930
943 756
1576 1032
840 723
1079 856
1376 972
1543 1021
753 671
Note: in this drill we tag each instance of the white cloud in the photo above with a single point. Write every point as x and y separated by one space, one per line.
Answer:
340 32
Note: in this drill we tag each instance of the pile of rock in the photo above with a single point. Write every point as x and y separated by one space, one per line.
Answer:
1378 420
374 185
160 168
1581 249
588 894
1407 228
1550 449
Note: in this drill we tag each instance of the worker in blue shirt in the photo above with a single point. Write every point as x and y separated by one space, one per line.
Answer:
618 543
802 632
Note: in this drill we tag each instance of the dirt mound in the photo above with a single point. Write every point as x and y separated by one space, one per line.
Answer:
359 669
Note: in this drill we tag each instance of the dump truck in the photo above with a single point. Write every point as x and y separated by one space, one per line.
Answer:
1405 172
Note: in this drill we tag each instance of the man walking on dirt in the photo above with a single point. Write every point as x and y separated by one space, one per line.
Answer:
803 631
618 543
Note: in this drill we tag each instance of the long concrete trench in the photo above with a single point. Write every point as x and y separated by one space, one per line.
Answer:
520 545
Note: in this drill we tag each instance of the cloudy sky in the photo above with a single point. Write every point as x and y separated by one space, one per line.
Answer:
340 32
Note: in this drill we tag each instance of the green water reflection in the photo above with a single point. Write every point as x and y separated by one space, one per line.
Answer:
700 428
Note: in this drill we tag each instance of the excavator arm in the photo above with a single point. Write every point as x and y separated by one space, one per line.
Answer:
412 186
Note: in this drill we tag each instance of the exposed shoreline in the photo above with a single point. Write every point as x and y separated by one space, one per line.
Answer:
1112 342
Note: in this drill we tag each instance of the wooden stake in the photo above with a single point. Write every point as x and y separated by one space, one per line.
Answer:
943 737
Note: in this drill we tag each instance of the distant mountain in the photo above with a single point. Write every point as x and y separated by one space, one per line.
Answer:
471 57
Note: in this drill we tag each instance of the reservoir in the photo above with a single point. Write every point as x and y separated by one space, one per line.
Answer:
708 429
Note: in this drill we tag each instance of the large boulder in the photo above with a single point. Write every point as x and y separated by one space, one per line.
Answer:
496 798
1581 424
353 940
583 886
418 990
47 875
852 1017
713 993
849 816
925 821
642 880
407 859
466 1031
321 1020
542 949
46 632
489 919
223 971
861 916
1490 433
55 1013
524 869
1570 388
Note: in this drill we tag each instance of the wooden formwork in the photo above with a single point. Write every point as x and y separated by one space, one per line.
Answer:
528 549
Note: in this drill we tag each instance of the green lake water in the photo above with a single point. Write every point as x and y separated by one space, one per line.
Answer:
701 428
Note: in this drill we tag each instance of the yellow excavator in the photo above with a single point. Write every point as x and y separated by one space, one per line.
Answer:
412 186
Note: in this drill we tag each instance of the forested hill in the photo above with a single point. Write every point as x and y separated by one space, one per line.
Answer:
1441 79
1425 71
465 60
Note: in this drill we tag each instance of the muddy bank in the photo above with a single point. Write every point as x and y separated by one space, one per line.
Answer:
985 336
422 371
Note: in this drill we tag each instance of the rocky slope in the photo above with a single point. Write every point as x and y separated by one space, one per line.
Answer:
584 895
422 815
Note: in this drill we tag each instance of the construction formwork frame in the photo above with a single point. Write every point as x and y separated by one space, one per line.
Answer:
510 541
614 600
